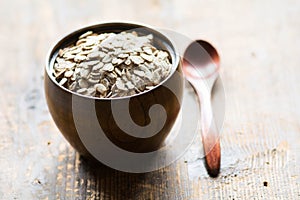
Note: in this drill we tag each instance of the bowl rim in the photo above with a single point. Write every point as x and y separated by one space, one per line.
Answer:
65 36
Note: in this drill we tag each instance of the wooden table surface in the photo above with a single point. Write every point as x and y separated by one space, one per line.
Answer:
259 45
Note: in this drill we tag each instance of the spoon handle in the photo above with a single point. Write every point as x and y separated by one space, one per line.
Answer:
210 134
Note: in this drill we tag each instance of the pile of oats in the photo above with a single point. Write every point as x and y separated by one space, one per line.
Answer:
111 65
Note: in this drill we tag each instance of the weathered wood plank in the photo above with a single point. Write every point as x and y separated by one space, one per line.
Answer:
259 45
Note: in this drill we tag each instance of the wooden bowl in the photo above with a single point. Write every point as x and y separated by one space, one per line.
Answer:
70 110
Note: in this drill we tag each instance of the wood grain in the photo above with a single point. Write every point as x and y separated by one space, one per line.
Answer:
259 45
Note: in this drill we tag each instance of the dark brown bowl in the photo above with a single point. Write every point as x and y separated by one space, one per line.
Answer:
75 114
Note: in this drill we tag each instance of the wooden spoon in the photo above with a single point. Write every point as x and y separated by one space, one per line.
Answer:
200 65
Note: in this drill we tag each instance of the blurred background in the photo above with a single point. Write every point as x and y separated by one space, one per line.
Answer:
259 45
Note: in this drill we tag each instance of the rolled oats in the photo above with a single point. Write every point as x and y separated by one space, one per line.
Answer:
111 65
